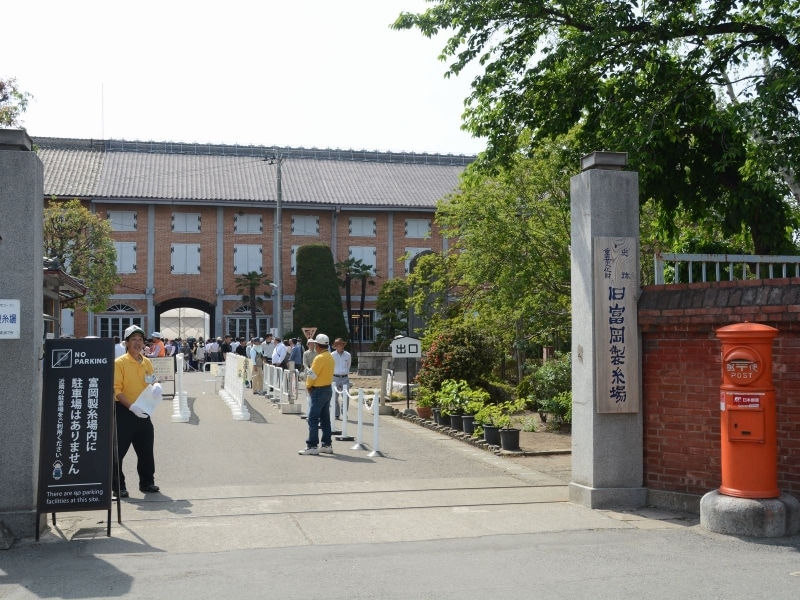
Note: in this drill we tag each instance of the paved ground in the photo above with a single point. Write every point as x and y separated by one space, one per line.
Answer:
243 515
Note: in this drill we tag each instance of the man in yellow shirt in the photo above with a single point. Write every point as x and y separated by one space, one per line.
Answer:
132 373
318 384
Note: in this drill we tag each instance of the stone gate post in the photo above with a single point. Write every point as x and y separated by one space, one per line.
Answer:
21 241
607 428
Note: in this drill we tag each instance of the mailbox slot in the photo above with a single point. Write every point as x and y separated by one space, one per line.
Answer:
745 425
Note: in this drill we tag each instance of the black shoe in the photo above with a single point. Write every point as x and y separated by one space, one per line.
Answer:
122 494
149 489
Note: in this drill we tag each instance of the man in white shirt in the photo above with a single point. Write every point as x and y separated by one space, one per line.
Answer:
279 353
341 367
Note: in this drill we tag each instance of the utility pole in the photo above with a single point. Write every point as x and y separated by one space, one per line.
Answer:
277 304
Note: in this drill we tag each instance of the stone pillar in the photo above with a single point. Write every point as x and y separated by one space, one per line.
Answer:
607 428
21 253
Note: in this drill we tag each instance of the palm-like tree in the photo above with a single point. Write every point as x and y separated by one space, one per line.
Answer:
344 270
349 270
364 273
248 286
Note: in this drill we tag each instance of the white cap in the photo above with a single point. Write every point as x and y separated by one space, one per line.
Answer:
131 330
155 334
322 339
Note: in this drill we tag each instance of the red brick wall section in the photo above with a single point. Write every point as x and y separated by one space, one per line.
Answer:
681 377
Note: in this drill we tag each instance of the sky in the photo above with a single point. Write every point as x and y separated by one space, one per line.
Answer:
311 73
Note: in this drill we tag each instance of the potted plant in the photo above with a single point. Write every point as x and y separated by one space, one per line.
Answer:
560 408
476 400
452 399
489 418
424 402
509 435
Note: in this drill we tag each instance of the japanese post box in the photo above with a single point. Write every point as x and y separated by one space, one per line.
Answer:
747 410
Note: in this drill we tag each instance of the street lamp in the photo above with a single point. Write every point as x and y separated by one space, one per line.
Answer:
277 158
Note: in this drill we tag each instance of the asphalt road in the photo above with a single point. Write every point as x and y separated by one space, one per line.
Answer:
242 515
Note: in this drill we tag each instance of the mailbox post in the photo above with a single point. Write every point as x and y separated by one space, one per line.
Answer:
747 412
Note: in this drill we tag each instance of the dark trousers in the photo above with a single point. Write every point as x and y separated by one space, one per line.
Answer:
139 433
319 415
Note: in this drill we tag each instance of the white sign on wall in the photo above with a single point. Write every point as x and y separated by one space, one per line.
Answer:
617 337
9 319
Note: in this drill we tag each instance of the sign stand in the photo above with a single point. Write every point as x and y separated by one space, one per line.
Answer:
408 348
77 436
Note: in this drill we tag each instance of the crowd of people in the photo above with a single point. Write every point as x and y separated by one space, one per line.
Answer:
134 372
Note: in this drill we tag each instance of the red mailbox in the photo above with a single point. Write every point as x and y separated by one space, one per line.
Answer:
747 410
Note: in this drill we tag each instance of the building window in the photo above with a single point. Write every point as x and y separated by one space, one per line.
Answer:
293 260
186 222
410 254
366 254
363 325
110 325
305 225
247 258
418 228
126 257
248 224
363 227
185 259
121 220
240 325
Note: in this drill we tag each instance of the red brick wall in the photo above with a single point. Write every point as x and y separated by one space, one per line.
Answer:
681 377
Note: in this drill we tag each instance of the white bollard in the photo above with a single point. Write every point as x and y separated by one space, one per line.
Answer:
178 414
345 396
360 430
376 415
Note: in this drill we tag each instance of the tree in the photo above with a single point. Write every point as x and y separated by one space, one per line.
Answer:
391 306
344 270
82 243
248 286
702 94
349 270
13 103
317 299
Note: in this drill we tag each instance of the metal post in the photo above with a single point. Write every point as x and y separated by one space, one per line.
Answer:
278 250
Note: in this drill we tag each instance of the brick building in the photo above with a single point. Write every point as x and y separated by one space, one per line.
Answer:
188 219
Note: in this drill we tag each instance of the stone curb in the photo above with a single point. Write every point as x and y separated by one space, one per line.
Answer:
468 439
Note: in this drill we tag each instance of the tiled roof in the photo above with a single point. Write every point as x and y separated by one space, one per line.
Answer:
212 173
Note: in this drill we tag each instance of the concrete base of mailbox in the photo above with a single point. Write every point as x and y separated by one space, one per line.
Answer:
762 518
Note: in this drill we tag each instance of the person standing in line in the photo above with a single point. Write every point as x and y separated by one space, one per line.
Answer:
341 370
200 354
119 347
318 383
132 373
213 349
241 348
308 355
225 347
279 353
296 354
257 360
157 349
267 347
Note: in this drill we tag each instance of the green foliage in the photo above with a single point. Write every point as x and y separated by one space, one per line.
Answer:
425 397
458 397
701 93
552 378
13 103
393 320
317 299
83 243
559 405
499 415
458 352
548 388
